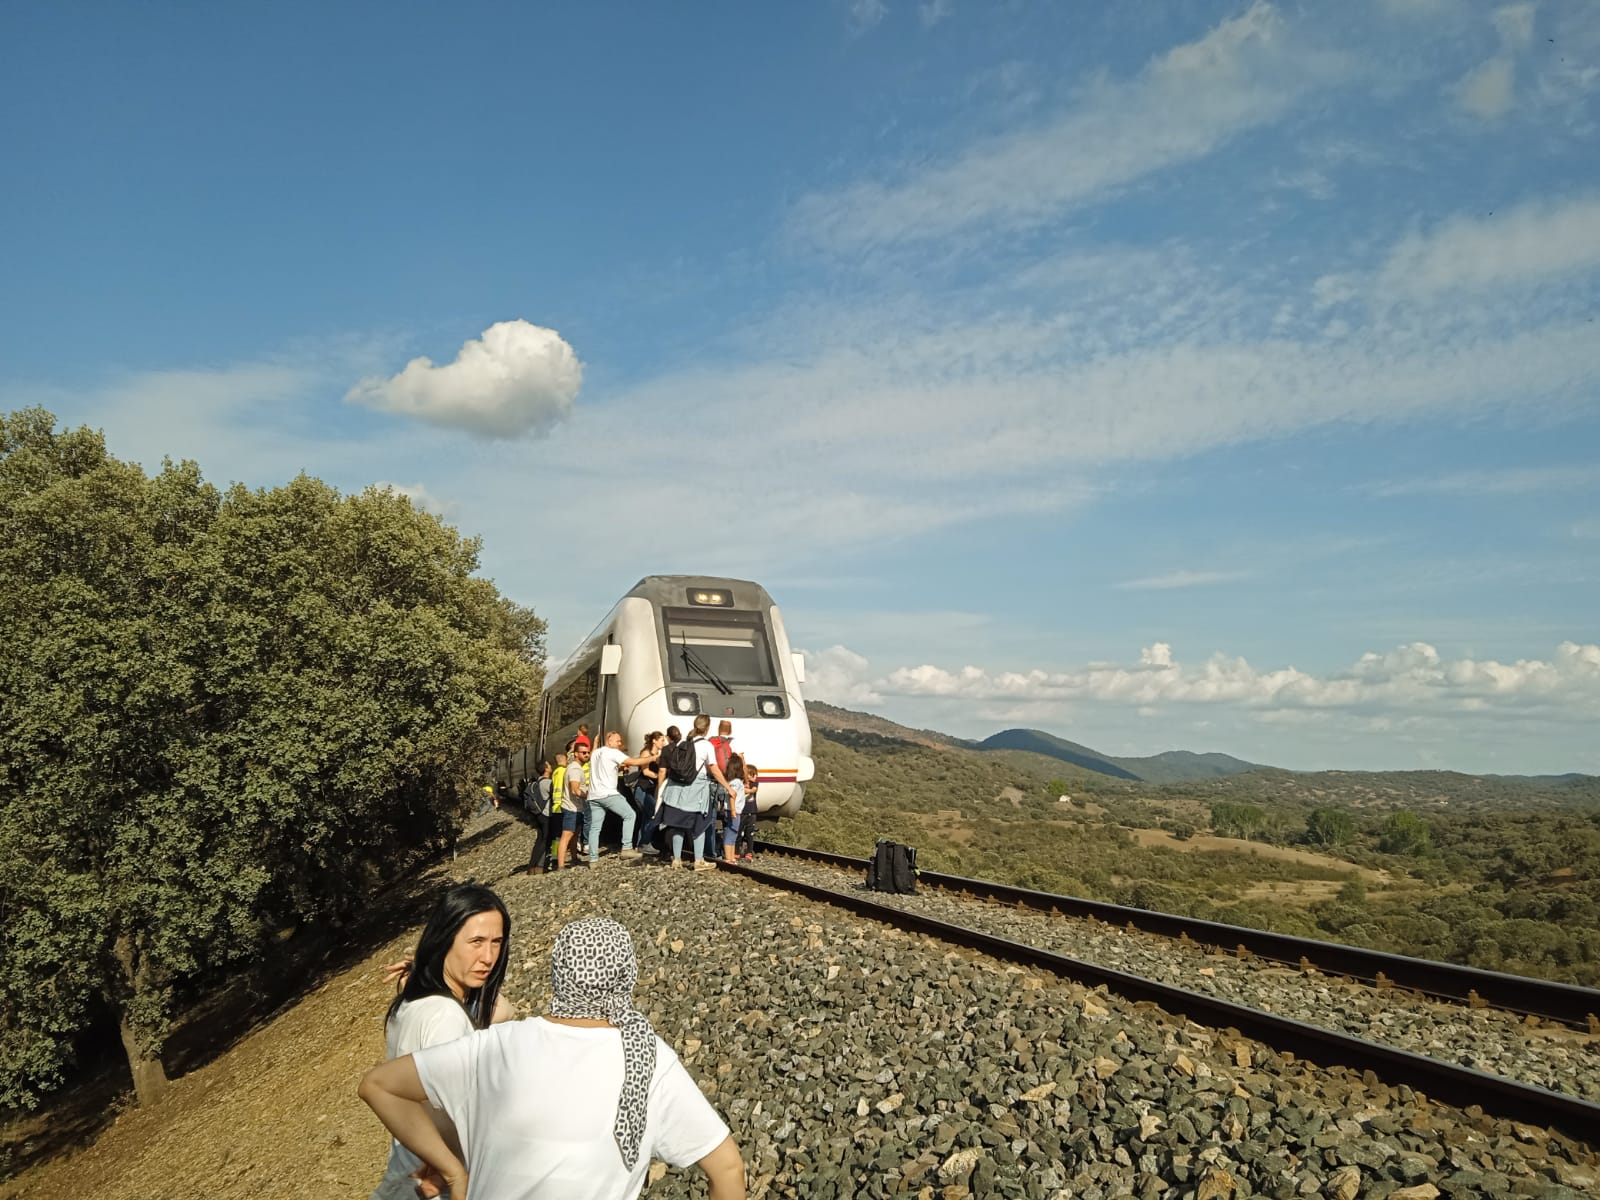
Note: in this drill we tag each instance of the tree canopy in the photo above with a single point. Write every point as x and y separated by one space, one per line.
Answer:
221 714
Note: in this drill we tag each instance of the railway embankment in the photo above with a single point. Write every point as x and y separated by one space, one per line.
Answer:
1542 1053
850 1059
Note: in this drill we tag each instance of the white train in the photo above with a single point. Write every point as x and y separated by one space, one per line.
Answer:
675 646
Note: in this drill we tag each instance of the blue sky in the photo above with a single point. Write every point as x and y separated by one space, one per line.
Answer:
1216 376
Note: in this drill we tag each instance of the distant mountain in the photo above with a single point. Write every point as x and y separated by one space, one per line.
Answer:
1039 742
1171 766
1174 766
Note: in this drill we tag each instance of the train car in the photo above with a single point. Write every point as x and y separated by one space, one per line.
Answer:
673 647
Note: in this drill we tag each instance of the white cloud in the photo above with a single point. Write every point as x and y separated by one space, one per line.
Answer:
1183 105
1534 241
516 379
1587 528
1486 91
420 497
1410 678
931 12
867 14
839 676
1158 654
1510 481
1183 579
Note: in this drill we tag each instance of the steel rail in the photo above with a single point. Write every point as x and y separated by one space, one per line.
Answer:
1565 1003
1457 1086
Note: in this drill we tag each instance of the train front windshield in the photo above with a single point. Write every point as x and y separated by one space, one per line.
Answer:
733 646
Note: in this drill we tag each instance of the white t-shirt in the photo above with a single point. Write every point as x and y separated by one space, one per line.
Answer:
418 1024
603 766
704 753
527 1139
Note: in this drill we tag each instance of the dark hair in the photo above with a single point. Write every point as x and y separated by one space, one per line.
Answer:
673 735
455 907
735 763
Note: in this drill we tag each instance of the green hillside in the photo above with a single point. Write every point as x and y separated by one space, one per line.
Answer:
1493 872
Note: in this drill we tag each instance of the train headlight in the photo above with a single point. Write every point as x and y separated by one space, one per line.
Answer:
712 599
685 704
771 706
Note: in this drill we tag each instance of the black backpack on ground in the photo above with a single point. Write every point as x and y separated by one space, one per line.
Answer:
680 761
893 868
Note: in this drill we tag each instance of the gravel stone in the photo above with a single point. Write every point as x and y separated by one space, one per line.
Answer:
1501 1043
851 1059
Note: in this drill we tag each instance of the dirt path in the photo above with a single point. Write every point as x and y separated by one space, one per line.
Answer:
1160 839
277 1114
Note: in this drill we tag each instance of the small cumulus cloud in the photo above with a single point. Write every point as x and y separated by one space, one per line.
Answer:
421 498
931 12
838 675
1157 655
517 379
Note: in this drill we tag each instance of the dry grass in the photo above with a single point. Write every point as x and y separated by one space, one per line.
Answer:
1162 840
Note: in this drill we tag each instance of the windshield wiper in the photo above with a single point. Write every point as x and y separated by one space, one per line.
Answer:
705 672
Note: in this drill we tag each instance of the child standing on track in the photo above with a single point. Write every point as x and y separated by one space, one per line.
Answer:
746 845
734 771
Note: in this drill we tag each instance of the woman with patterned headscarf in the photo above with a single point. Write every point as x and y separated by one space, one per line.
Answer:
571 1104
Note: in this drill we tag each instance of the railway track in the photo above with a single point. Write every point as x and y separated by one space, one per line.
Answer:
1458 1085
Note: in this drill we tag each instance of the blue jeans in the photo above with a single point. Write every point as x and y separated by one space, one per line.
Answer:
677 848
608 804
652 815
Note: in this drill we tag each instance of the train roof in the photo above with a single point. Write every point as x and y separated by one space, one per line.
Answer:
671 589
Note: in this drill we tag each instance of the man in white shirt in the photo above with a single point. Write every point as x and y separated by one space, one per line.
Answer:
624 1096
606 796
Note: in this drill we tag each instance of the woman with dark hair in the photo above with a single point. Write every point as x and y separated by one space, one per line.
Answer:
451 988
575 1103
686 808
647 790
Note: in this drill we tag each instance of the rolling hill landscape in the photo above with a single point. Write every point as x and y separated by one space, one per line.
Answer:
1495 871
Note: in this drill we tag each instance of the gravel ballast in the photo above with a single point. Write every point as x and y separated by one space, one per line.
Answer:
853 1059
1501 1043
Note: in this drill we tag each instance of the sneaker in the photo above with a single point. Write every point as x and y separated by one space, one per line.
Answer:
701 864
630 854
649 850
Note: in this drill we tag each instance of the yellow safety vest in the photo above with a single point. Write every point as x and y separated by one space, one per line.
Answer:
558 789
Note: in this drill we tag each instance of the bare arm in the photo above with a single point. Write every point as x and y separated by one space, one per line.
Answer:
716 773
393 1090
504 1010
725 1169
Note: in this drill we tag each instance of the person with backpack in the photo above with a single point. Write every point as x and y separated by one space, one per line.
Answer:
723 745
536 798
691 767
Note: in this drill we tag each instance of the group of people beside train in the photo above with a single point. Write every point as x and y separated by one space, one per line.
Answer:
467 1087
678 790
